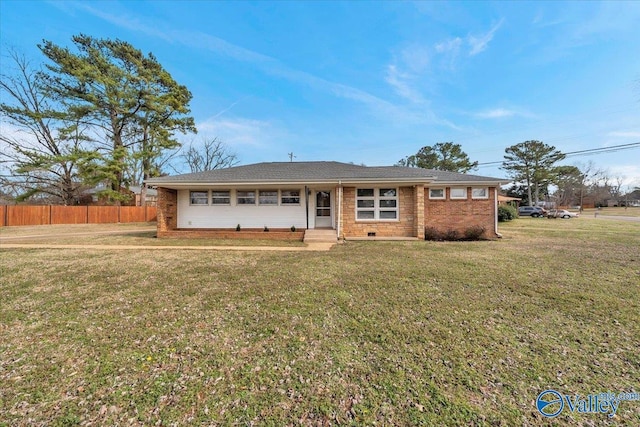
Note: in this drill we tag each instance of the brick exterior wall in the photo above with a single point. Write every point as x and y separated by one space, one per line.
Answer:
404 227
418 201
416 211
257 234
167 210
451 214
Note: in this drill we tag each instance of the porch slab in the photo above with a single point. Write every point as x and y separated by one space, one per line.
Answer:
320 236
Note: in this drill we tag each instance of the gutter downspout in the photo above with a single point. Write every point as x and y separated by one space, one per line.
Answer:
495 212
339 208
306 199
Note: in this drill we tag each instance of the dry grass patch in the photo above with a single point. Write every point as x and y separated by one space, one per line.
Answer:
142 234
393 333
617 211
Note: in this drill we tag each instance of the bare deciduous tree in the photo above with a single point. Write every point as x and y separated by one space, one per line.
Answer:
212 154
40 144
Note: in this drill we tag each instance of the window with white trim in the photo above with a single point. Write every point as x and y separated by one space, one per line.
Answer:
457 193
388 203
199 197
365 203
290 197
268 197
245 197
480 193
377 204
220 197
436 193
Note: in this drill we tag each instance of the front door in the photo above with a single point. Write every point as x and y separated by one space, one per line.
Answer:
323 209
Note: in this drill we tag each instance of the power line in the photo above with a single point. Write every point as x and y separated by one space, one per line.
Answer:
611 149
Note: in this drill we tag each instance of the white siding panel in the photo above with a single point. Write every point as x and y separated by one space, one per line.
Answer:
230 216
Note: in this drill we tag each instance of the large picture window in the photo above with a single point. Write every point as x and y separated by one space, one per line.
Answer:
199 197
377 204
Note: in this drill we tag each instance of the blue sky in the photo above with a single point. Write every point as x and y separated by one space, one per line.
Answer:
372 82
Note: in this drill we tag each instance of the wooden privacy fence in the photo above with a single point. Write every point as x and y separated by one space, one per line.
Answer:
11 215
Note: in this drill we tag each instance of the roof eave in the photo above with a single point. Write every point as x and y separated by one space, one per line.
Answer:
336 181
492 183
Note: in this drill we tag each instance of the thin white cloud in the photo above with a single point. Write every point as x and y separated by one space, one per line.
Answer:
227 109
481 42
188 38
268 64
628 174
416 58
451 45
624 134
580 24
406 70
501 113
450 50
400 82
238 131
496 113
540 21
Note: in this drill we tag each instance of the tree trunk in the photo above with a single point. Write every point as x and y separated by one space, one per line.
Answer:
529 190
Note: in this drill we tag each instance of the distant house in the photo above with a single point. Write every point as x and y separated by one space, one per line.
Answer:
151 196
354 201
507 200
95 196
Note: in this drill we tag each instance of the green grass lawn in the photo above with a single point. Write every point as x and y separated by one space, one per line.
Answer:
386 333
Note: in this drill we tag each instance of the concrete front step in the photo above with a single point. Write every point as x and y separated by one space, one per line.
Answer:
328 236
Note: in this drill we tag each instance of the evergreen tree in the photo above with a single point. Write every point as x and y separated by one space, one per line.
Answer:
445 156
533 164
131 103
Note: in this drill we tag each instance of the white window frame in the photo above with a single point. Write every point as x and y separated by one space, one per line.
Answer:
376 208
213 197
238 197
282 197
198 204
275 198
463 197
380 197
485 189
371 209
444 193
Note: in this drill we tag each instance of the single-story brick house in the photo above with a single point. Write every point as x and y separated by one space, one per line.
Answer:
355 201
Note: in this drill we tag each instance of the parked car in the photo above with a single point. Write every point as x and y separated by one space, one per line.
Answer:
561 213
533 211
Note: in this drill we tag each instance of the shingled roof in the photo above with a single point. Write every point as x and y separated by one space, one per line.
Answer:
317 172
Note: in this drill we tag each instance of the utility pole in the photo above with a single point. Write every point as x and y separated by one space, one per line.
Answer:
291 156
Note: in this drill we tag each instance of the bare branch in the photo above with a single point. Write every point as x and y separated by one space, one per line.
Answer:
212 154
